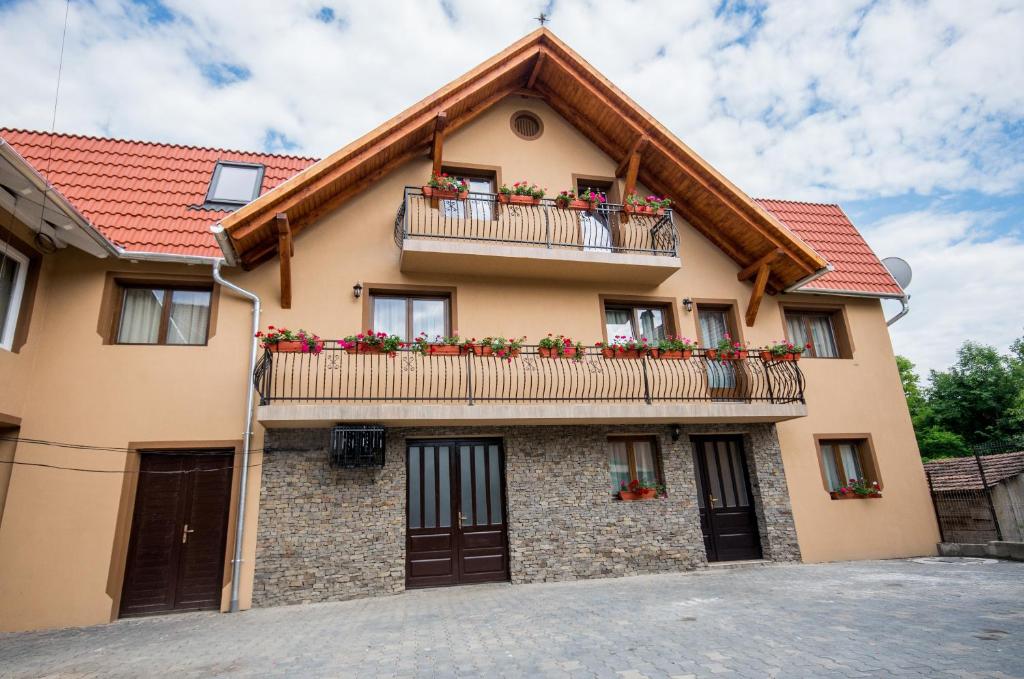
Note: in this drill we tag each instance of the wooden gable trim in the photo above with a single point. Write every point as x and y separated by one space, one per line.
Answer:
285 251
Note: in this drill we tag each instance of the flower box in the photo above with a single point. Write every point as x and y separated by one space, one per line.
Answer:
431 192
568 352
672 355
741 355
646 494
643 209
855 496
294 347
507 198
612 352
576 204
444 349
484 350
364 348
769 356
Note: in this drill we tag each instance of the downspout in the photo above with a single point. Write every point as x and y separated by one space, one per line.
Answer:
243 480
905 301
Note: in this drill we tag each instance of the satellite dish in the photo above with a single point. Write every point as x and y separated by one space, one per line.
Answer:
900 270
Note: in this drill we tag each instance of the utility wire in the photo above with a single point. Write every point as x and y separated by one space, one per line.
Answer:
119 471
107 449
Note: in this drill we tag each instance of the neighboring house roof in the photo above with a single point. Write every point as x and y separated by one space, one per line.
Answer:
142 196
830 232
961 473
543 65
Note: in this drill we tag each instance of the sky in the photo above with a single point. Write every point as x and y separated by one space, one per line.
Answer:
908 114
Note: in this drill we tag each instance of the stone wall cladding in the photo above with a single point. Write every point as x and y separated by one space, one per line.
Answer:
327 534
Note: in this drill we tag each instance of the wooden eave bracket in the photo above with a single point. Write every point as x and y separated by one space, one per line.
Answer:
537 65
757 294
285 249
630 166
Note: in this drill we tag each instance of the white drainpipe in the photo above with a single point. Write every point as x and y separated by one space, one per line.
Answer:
243 479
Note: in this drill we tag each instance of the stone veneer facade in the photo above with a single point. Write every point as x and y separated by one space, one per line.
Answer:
327 534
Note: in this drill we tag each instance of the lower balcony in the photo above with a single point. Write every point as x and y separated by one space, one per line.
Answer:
408 388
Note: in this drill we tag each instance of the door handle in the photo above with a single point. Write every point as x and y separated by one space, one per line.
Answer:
185 532
461 519
712 499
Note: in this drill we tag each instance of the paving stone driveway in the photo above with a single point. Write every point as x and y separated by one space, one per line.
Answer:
878 618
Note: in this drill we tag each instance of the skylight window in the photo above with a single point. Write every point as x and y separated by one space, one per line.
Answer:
234 183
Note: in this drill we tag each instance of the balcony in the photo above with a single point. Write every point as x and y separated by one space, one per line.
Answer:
408 388
482 236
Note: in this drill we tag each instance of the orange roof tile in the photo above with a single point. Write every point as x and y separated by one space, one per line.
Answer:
143 196
961 473
828 230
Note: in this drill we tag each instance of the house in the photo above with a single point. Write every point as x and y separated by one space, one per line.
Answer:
965 502
129 323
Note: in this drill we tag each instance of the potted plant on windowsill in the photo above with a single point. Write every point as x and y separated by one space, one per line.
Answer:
783 351
622 346
371 342
674 348
560 346
283 340
857 489
651 205
496 346
449 345
520 192
586 200
447 188
639 490
728 350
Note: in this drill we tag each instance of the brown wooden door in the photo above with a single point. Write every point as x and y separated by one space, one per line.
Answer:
727 516
457 529
179 532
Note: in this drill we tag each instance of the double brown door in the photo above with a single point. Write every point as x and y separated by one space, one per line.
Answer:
456 519
727 517
179 532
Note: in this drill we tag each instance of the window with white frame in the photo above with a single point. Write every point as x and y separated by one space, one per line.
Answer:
13 273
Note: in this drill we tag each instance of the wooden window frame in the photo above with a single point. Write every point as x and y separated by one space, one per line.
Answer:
666 304
865 448
837 320
165 316
629 440
409 297
731 309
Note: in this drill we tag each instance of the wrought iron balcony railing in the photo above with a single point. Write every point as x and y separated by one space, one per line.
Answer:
482 218
335 375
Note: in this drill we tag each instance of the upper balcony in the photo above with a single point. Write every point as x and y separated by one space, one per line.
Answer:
407 388
483 236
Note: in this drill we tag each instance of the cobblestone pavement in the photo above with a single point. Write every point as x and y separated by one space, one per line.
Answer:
878 618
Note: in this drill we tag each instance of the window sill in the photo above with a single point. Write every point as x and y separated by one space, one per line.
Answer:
854 496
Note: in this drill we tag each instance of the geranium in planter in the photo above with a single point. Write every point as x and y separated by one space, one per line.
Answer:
728 349
587 199
640 490
521 192
622 346
857 489
371 342
674 348
496 346
560 346
652 205
285 341
445 187
783 351
449 345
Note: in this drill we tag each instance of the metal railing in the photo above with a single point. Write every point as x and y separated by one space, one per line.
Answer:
481 217
336 375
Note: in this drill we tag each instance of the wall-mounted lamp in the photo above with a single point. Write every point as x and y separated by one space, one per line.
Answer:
688 304
357 289
676 433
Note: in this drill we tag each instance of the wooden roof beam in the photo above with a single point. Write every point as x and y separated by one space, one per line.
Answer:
537 65
284 250
754 268
437 144
635 148
760 283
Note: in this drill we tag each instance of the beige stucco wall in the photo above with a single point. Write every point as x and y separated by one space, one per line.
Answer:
63 534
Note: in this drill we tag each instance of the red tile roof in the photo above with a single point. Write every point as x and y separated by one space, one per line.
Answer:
142 196
146 196
828 230
961 473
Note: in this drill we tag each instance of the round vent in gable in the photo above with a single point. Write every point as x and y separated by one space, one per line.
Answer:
526 125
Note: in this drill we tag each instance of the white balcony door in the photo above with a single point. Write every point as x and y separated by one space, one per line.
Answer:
714 325
478 206
595 232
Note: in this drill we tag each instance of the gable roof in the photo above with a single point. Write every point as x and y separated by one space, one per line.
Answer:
142 196
827 229
541 63
961 473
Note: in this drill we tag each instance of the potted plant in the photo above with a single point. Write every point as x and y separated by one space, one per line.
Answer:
728 350
449 345
586 200
783 351
674 348
560 346
371 342
857 489
445 187
622 346
652 205
520 192
639 490
283 340
496 346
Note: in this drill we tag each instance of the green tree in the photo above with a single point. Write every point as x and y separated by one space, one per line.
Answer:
932 441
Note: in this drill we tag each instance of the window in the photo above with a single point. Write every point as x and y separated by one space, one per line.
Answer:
161 315
595 229
13 272
235 183
714 322
824 330
632 459
845 459
636 321
409 315
477 206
